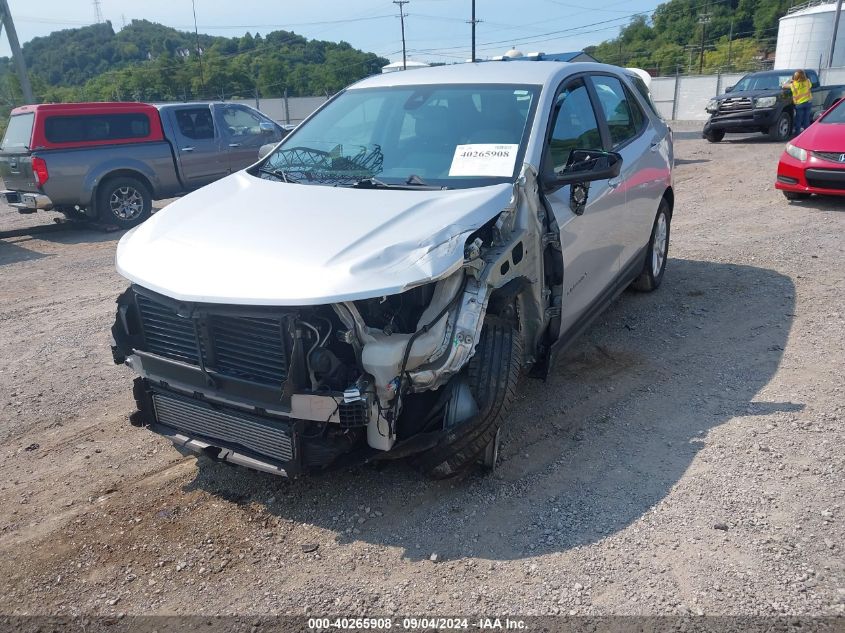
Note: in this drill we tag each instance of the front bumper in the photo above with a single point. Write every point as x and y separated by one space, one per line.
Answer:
753 120
27 202
813 176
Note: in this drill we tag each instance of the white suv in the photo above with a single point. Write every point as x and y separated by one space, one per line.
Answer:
376 285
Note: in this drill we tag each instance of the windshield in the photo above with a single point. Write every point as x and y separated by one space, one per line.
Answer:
453 136
762 82
19 132
836 114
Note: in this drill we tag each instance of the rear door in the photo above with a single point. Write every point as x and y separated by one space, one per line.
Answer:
245 131
15 155
198 145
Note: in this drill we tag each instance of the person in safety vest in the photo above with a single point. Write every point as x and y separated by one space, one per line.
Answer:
802 98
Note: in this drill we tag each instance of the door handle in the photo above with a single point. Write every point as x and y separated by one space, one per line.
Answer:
655 145
234 144
187 149
614 182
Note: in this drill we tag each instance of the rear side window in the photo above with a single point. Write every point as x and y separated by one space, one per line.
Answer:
639 84
19 133
195 123
624 117
96 127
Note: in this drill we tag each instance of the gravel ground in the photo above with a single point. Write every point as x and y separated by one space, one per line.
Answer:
685 456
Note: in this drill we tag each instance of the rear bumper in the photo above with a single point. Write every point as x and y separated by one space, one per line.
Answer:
744 121
27 201
814 176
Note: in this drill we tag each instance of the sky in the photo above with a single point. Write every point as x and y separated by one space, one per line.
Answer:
436 30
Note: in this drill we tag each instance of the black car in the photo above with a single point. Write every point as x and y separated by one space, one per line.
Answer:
757 103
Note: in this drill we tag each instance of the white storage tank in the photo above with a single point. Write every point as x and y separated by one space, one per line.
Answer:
804 37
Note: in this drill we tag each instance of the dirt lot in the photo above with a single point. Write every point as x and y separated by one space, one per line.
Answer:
684 457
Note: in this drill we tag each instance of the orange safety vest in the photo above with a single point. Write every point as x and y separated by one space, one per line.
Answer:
801 91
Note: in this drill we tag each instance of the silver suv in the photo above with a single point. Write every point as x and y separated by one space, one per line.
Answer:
376 286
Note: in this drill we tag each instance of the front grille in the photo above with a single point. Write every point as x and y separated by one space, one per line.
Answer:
734 105
826 178
245 347
264 437
835 157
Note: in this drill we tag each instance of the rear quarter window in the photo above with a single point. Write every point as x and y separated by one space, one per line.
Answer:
96 127
19 131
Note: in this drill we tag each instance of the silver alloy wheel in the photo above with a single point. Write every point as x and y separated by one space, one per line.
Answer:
658 247
783 127
126 203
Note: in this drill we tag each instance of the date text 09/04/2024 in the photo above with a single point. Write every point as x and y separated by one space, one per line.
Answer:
423 623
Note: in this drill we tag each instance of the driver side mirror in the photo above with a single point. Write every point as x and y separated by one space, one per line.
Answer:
265 149
586 165
266 127
729 89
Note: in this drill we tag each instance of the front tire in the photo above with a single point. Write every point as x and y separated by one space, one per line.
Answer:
780 129
714 136
124 201
657 251
493 375
795 195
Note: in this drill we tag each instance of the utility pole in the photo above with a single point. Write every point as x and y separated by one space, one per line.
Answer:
402 4
197 39
835 32
17 54
703 19
473 22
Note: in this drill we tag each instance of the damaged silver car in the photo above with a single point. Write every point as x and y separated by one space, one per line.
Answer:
376 286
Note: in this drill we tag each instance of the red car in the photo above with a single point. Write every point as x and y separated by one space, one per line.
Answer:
814 161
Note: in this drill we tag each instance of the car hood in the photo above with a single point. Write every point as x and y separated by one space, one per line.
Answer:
748 94
246 240
822 137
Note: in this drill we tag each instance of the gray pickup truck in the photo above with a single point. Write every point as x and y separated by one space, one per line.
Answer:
109 161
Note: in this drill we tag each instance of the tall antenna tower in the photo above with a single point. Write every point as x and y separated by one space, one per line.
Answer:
97 11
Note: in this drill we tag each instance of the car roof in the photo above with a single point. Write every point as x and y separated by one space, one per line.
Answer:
493 72
90 107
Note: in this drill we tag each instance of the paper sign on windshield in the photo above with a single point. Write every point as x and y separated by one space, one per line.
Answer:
484 159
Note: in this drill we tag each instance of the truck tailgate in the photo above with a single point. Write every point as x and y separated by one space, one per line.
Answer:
16 171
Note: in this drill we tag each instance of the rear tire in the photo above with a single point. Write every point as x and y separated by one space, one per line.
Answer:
124 201
780 129
714 136
657 251
493 374
795 195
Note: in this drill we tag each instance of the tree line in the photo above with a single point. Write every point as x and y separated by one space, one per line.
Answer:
737 36
146 61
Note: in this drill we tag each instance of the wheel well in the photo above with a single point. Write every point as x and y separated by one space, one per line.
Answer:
121 173
669 197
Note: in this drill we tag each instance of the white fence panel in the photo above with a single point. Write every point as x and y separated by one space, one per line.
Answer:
693 95
663 94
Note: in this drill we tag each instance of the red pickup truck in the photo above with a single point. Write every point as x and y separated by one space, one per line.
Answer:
109 161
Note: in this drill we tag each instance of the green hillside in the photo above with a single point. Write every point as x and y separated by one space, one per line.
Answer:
671 37
150 62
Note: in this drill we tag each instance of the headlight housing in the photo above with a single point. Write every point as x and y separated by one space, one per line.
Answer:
713 106
796 152
765 102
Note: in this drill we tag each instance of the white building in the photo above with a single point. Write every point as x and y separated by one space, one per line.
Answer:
804 36
391 68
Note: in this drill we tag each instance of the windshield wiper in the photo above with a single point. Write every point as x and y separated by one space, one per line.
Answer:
374 183
277 173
